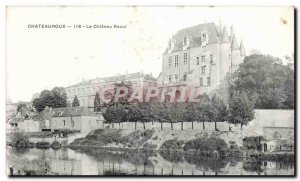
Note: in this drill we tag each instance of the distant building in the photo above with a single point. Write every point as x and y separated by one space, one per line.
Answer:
201 56
86 90
75 118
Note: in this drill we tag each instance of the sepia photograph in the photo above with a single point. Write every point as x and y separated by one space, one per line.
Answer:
150 91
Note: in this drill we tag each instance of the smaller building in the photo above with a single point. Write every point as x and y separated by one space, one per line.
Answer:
278 139
81 119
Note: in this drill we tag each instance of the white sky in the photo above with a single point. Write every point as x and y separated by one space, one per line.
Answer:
39 59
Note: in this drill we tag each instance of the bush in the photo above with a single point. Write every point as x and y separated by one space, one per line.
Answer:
155 138
20 140
42 144
252 143
150 146
172 145
55 145
209 144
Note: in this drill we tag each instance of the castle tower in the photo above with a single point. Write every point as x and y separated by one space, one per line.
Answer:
236 58
225 53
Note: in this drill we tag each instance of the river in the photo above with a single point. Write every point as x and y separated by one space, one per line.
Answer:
66 161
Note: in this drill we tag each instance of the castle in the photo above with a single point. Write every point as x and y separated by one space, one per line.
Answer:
201 56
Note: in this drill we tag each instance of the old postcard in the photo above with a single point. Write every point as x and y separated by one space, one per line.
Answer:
150 91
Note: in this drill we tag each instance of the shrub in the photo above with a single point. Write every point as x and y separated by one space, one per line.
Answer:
55 145
149 146
155 138
42 144
20 140
209 144
252 143
172 145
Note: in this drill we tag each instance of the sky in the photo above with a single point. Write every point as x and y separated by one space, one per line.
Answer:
38 59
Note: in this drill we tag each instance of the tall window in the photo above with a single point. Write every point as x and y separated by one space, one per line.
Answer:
203 70
203 58
201 81
64 122
170 78
185 58
211 58
204 49
208 81
176 60
204 37
184 40
170 61
176 77
197 60
184 77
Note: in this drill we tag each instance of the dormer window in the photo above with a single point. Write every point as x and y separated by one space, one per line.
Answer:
184 40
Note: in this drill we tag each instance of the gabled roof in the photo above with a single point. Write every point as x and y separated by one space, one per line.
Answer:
72 111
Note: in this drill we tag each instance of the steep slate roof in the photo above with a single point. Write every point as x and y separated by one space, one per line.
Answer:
72 111
224 36
194 34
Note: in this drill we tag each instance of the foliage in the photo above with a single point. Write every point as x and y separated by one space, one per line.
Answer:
97 105
208 144
252 143
18 139
266 81
241 109
172 145
102 137
21 105
55 98
42 144
55 145
75 102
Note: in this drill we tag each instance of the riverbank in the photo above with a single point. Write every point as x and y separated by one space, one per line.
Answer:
205 143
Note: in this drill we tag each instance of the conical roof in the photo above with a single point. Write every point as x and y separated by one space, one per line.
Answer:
242 49
225 37
234 44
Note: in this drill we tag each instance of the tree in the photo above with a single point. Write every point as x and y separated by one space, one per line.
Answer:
190 114
20 106
266 81
176 113
159 112
219 109
97 105
115 114
241 109
75 102
203 109
55 98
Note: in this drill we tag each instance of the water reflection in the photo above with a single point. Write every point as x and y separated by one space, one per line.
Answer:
66 161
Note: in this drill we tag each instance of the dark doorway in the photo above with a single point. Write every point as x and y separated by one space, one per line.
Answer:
265 147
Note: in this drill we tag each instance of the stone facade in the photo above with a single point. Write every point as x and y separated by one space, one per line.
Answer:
76 118
86 90
201 56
